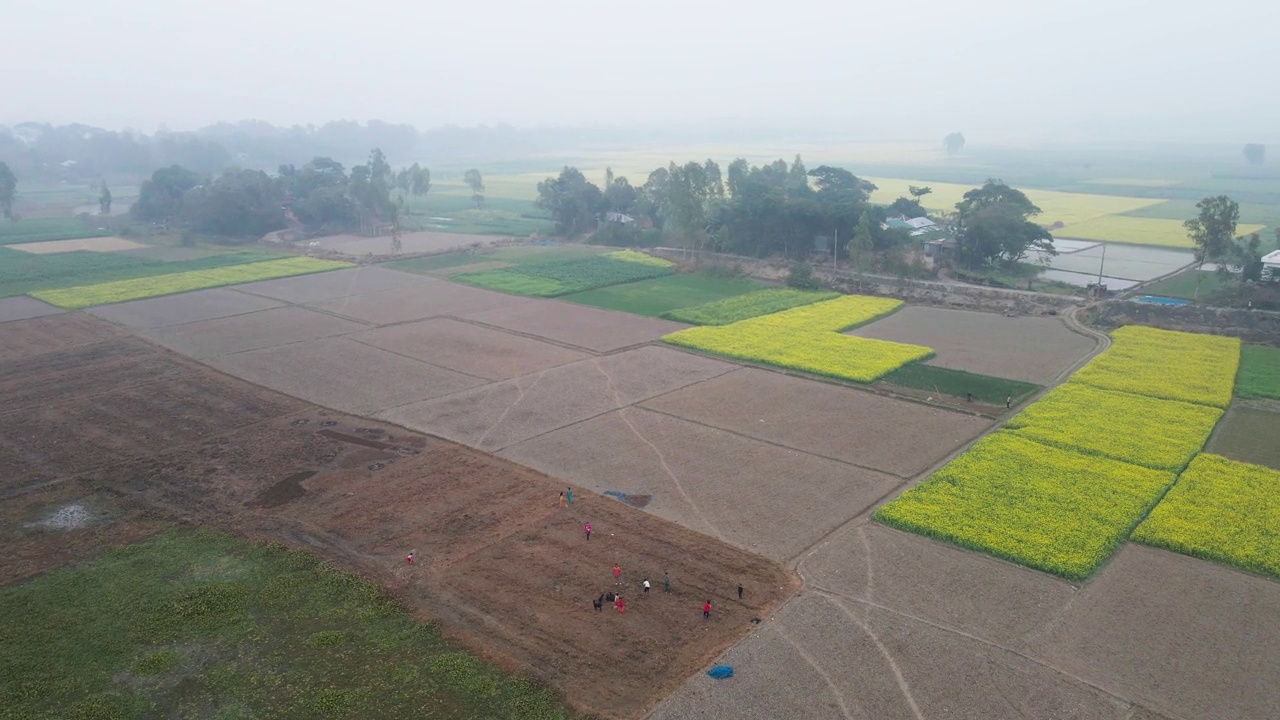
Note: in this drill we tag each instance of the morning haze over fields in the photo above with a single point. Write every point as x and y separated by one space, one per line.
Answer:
640 360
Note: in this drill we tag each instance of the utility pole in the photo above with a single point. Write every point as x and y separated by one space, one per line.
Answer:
1102 262
835 248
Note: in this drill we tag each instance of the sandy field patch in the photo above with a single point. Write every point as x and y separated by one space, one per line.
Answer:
184 308
467 348
254 331
97 244
1032 349
940 583
345 375
853 426
501 568
428 298
761 497
414 242
500 414
1248 434
23 308
1182 636
577 325
823 658
333 284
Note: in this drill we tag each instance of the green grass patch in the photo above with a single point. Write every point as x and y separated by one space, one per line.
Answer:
744 306
201 624
82 296
537 254
1220 510
42 229
1259 375
1183 286
957 383
22 273
657 296
552 279
426 265
1036 505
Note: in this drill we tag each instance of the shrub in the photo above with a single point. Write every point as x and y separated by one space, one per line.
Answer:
801 277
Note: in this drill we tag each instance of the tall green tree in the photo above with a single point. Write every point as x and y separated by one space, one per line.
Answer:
918 192
476 183
104 200
953 142
861 244
160 198
994 224
8 190
571 200
1212 232
419 180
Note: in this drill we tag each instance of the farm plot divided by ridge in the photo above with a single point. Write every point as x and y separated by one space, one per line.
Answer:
808 339
1220 510
1064 506
1247 434
551 279
743 307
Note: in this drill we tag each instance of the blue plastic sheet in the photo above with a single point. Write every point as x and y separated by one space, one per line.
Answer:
720 672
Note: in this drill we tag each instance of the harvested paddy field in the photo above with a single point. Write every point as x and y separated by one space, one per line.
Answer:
584 327
425 299
1030 349
186 308
334 284
500 567
345 375
853 426
268 328
94 244
501 414
472 349
769 499
23 307
1247 433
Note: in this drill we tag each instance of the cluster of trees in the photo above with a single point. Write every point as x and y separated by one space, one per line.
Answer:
322 196
1213 231
781 209
1255 153
8 190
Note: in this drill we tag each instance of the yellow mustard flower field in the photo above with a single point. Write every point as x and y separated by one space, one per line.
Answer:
1166 364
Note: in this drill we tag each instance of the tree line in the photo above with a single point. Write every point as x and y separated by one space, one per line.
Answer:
784 209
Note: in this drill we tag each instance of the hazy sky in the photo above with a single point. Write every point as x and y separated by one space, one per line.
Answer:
988 67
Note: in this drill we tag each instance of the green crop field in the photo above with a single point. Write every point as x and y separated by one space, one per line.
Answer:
200 624
1220 510
434 263
754 304
1259 375
82 296
552 279
42 229
1183 285
657 296
1039 506
958 383
22 273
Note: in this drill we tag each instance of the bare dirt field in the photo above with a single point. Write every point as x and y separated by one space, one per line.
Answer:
254 331
501 567
184 308
345 375
23 307
759 496
334 284
430 298
24 339
414 242
577 325
1248 434
97 244
853 426
1182 636
468 348
501 414
1032 349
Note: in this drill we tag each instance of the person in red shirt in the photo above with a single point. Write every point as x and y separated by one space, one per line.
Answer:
587 529
617 573
706 610
410 558
617 603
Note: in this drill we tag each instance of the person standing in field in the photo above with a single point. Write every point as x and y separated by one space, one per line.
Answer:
666 582
739 591
409 559
706 610
646 587
568 496
587 529
619 604
617 573
1008 401
561 498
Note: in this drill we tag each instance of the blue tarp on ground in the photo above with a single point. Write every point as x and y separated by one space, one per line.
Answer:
720 672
